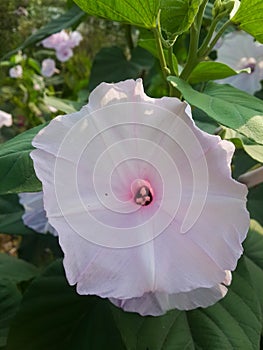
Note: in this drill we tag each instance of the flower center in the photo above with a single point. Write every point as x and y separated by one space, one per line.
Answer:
142 192
248 62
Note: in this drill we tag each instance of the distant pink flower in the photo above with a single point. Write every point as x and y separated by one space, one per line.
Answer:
239 50
5 119
64 53
16 72
35 215
54 40
74 39
48 67
143 201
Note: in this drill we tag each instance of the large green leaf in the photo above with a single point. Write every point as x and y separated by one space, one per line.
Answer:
70 18
53 316
210 70
70 321
233 323
178 15
111 65
253 149
16 270
9 301
253 246
11 216
255 202
249 17
136 12
16 167
228 106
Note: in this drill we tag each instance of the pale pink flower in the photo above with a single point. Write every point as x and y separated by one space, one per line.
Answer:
5 119
74 39
16 72
239 50
35 215
143 201
54 40
64 52
48 67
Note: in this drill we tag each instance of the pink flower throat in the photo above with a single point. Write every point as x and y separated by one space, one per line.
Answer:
142 192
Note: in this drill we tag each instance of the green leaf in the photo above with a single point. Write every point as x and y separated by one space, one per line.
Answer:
16 167
136 12
234 322
11 216
10 299
70 18
249 17
53 316
178 15
170 331
70 321
111 65
251 148
228 106
253 247
63 105
150 45
210 70
40 249
16 270
255 202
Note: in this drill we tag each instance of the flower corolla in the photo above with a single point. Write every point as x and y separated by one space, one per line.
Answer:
5 119
48 67
239 50
35 215
16 71
143 201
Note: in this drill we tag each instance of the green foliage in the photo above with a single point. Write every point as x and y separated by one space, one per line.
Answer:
178 15
16 167
74 321
16 270
10 298
136 12
255 203
210 70
111 65
253 149
228 106
11 216
66 20
249 17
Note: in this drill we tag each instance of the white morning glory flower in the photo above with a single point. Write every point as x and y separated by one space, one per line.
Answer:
48 67
35 215
16 72
143 201
5 119
239 50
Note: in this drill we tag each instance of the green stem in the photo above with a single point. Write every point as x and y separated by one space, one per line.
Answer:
128 35
195 28
171 62
162 60
217 36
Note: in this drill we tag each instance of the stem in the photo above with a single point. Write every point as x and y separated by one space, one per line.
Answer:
195 28
128 35
207 39
162 60
217 36
252 178
170 61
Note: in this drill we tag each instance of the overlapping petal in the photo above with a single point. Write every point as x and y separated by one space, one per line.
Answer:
177 251
240 51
